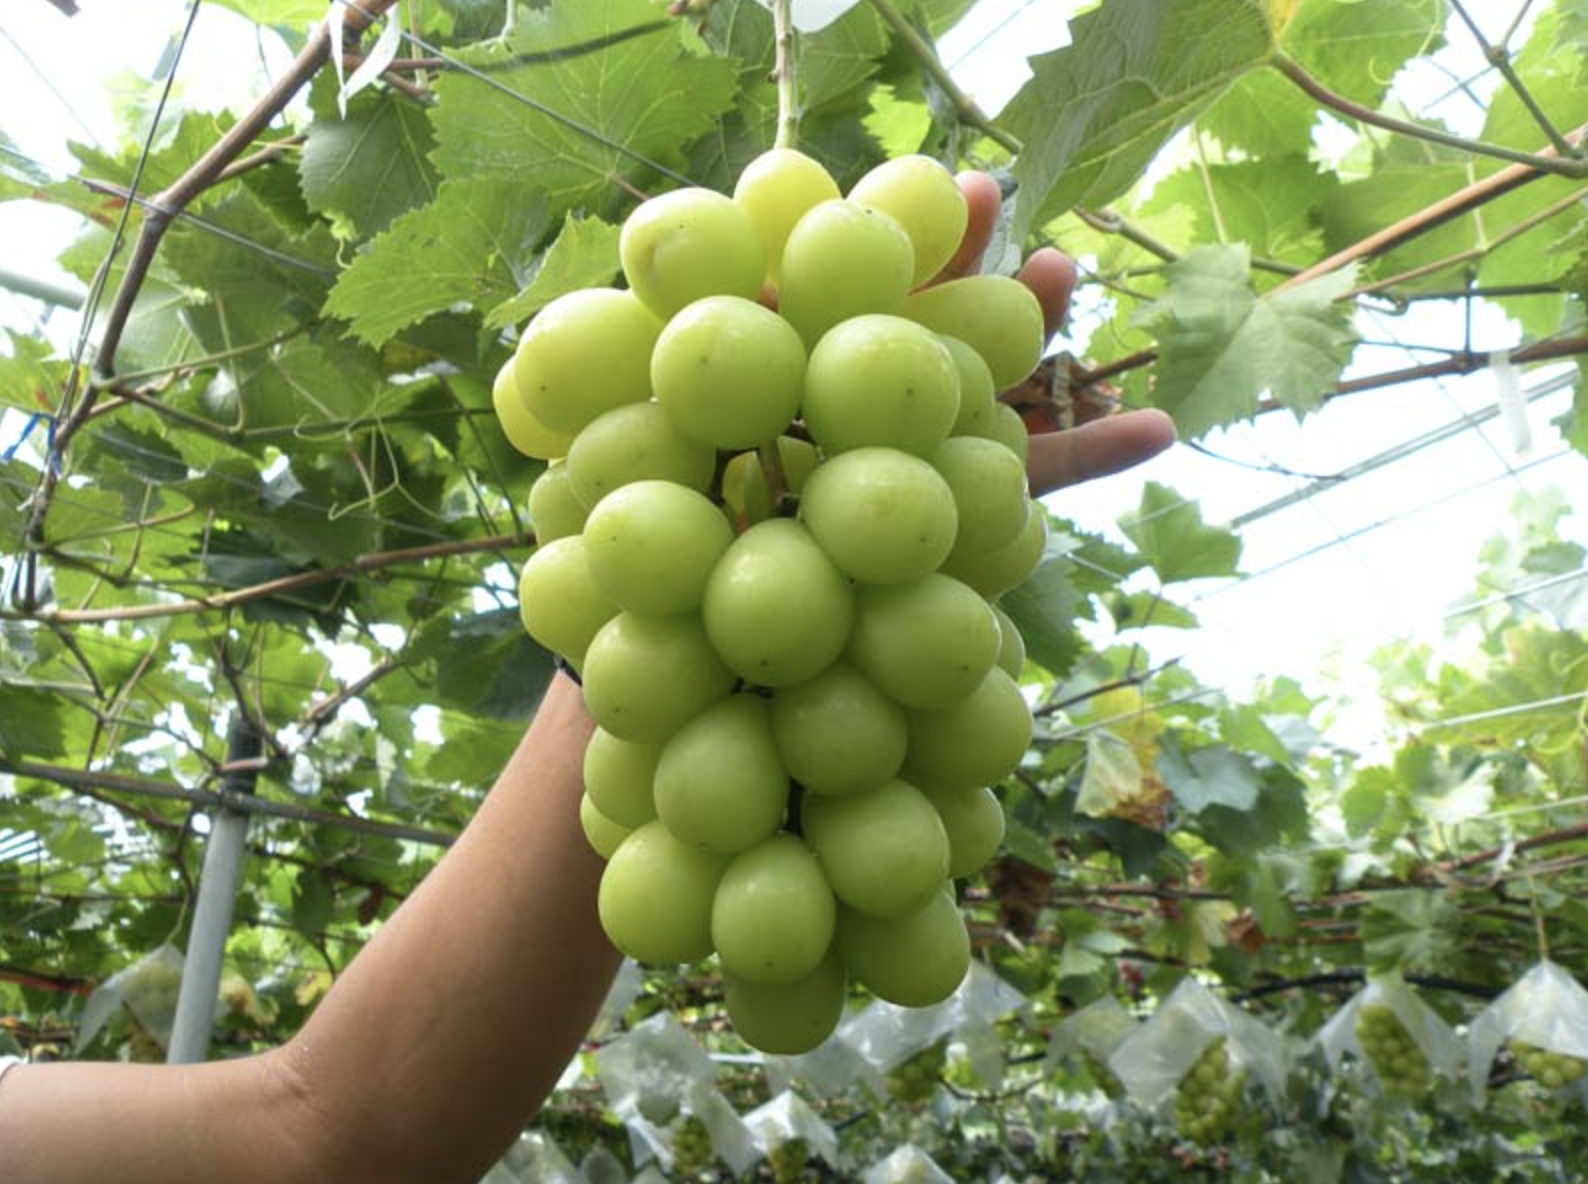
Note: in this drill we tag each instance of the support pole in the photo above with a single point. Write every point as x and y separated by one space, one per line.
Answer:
212 914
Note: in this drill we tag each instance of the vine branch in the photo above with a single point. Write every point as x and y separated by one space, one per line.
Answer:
1500 58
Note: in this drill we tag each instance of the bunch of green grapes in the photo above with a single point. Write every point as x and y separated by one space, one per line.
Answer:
772 548
1101 1075
787 1161
915 1079
1209 1096
1401 1065
1552 1070
692 1149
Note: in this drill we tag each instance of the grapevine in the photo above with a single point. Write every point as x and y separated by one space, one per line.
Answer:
781 504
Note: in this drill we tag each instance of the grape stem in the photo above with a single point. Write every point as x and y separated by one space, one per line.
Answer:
783 73
777 489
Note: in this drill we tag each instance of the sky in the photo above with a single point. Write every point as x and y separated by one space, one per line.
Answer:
1354 565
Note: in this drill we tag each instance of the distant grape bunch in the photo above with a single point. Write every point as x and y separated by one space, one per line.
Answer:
1209 1096
1552 1070
771 549
1401 1065
916 1078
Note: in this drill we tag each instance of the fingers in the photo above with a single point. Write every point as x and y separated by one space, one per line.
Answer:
1050 274
981 202
1097 449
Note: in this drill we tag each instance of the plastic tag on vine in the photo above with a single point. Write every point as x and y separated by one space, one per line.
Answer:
978 1044
381 54
1546 1008
1430 1033
652 1068
787 1117
1153 1059
1098 1028
885 1034
812 15
907 1165
148 989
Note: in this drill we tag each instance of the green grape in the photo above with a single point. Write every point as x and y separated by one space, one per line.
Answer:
562 606
655 897
994 572
1012 646
837 733
645 677
603 834
884 851
1208 1098
787 1019
636 443
1097 1068
555 510
687 244
1004 425
729 372
926 644
1552 1070
651 546
923 196
974 821
990 495
584 354
776 608
776 189
880 380
523 431
881 515
977 396
996 316
915 1079
618 776
976 742
1400 1063
692 1149
915 960
773 916
788 1159
843 260
798 459
719 783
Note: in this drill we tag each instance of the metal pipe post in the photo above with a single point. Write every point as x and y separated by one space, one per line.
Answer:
212 914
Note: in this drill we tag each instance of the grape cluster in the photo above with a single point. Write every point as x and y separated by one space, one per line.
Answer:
1209 1095
1552 1070
787 1161
771 549
1401 1065
1102 1076
693 1152
915 1079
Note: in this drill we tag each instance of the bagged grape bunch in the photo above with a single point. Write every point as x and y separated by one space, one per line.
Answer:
1401 1039
1542 1021
771 543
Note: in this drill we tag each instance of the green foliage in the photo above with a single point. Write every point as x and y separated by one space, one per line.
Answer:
302 508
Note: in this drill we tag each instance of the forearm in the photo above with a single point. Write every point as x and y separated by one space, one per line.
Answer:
449 1029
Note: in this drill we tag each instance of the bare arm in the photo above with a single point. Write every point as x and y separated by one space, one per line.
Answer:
422 1063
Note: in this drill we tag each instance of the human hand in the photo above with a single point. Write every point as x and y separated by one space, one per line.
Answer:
1093 449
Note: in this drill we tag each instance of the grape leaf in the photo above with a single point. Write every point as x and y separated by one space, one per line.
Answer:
473 245
294 14
30 723
584 255
1409 929
1221 345
1214 776
1356 47
1269 205
1045 607
1169 532
1095 112
1263 113
372 166
615 68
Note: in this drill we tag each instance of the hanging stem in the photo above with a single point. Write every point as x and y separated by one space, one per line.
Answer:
1538 918
788 119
